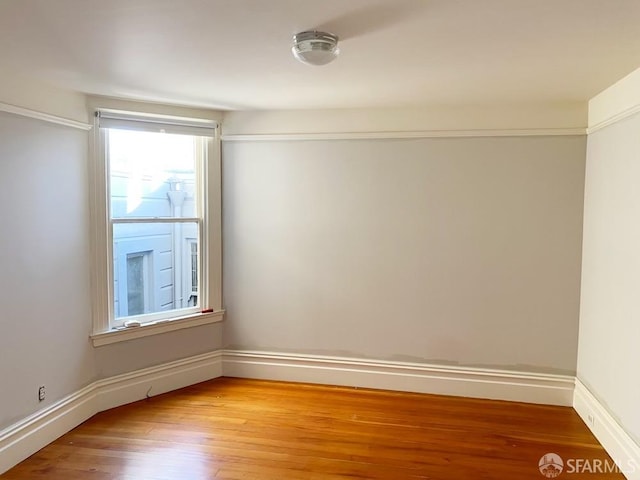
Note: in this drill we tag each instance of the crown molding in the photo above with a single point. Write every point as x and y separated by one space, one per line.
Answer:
275 137
614 119
45 117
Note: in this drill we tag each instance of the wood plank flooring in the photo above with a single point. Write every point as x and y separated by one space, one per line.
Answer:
248 429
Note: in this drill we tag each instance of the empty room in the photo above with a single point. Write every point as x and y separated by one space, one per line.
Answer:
287 239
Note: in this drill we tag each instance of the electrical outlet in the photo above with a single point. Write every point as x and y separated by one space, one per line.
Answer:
41 393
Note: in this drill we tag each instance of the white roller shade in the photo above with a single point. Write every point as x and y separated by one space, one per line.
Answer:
156 123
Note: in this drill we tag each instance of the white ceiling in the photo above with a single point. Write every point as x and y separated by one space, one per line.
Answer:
235 54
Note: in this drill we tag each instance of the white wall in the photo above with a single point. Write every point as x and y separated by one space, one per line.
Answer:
28 93
123 357
610 306
455 251
45 274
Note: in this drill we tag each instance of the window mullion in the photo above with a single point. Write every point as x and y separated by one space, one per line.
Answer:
156 220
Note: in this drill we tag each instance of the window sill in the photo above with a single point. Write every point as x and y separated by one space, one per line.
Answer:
122 335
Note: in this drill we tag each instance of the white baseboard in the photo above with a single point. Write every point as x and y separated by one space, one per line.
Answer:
408 377
26 437
34 432
130 387
618 444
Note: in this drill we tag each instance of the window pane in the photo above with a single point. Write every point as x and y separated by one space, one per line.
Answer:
154 267
137 280
152 174
193 254
194 266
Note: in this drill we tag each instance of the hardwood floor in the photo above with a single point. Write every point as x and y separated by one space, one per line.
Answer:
247 429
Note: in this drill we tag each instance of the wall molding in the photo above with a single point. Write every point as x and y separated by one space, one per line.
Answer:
614 119
274 137
29 435
401 376
618 443
46 117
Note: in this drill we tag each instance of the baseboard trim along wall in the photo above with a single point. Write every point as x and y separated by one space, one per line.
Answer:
618 444
26 437
401 376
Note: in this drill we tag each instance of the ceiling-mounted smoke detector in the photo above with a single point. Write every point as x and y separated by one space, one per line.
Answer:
315 48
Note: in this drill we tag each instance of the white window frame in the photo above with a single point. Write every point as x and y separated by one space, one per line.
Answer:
210 277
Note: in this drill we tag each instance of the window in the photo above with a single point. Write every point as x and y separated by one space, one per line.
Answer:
157 220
